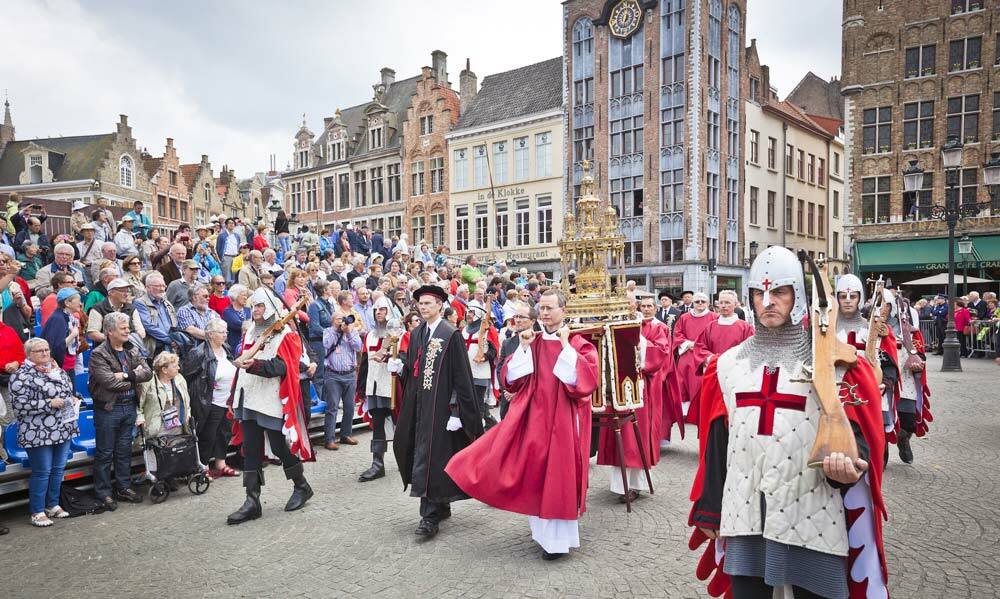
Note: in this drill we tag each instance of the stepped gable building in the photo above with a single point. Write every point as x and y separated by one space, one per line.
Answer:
507 168
434 109
205 201
914 75
171 197
351 173
655 100
103 169
794 192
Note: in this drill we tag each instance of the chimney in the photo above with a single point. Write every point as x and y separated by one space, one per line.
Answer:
468 86
123 119
388 76
204 158
439 62
765 84
123 128
326 122
170 142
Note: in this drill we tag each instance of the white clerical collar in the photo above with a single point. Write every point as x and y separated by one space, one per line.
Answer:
697 315
728 320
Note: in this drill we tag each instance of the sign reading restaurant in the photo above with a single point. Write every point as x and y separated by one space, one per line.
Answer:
503 193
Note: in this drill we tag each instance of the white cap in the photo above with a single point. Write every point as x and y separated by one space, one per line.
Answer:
260 296
777 267
78 205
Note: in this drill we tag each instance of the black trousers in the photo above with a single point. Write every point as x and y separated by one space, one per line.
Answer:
749 587
253 446
213 434
379 416
939 329
433 510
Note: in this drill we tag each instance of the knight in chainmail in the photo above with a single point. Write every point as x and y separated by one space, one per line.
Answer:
377 385
778 521
909 394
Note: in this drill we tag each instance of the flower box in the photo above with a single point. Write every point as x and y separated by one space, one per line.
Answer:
883 149
971 139
973 64
912 73
869 150
928 71
925 143
911 146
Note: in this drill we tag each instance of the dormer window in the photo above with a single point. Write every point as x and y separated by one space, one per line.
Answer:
336 151
125 171
303 158
35 168
375 138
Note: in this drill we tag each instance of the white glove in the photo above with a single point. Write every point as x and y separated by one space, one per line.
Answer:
454 424
395 365
684 347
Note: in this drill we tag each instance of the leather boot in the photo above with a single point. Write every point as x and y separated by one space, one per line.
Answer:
905 451
377 469
301 491
253 480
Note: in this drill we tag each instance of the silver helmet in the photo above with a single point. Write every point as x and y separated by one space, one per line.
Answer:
847 283
777 267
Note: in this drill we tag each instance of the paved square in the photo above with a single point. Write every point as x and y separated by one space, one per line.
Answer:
357 540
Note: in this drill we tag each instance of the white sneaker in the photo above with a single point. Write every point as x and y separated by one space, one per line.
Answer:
40 520
56 512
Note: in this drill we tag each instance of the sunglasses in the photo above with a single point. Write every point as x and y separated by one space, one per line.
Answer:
218 282
700 302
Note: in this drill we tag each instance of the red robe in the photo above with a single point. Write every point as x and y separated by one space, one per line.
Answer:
535 461
716 339
650 416
687 328
864 522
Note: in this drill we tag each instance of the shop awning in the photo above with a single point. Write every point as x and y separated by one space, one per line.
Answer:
942 279
923 254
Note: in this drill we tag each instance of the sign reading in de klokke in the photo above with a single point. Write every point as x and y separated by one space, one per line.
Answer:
502 193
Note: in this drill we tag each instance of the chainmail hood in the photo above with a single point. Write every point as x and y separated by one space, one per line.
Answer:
787 347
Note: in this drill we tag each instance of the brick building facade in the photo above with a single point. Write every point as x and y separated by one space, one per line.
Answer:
654 96
914 75
205 200
171 196
433 111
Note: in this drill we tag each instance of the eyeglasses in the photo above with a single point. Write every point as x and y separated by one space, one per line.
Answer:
700 302
218 282
43 350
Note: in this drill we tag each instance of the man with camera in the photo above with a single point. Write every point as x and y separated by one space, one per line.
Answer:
342 344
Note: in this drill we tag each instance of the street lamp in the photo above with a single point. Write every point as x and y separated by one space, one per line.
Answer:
951 212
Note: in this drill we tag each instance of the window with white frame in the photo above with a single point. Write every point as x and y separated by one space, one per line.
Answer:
672 190
417 228
522 157
965 53
375 138
543 154
426 125
544 209
437 229
963 118
754 197
394 228
628 78
482 226
876 130
376 181
417 178
500 163
303 158
437 175
336 151
522 224
393 180
460 174
360 192
125 171
918 124
461 228
503 225
311 200
479 166
344 191
919 61
754 146
626 136
875 199
296 193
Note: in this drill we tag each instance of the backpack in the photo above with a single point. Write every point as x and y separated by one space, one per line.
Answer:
79 503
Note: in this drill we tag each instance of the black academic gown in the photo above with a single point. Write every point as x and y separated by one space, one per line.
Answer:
422 445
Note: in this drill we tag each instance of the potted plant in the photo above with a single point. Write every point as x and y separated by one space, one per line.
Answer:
970 139
973 64
925 143
956 66
883 149
912 73
869 149
930 70
911 146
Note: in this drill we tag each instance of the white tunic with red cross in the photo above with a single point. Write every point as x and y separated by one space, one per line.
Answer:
772 426
379 380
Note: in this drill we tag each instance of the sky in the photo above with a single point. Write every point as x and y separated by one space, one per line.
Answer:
232 78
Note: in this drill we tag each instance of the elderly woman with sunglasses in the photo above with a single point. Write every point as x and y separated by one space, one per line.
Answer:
133 274
43 400
219 300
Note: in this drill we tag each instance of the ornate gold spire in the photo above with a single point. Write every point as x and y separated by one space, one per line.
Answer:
593 245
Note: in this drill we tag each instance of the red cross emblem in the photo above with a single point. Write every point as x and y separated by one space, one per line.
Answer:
768 399
767 284
852 339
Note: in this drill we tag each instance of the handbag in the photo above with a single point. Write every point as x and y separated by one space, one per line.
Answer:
967 329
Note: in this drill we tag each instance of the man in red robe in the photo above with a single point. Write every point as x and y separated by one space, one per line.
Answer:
690 352
535 461
721 334
654 347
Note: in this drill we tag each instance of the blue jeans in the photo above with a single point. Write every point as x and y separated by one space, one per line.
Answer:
318 377
47 465
339 388
113 432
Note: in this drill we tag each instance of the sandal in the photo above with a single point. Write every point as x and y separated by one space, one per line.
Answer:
40 520
56 512
226 471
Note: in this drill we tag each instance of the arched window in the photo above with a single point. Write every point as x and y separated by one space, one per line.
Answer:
125 171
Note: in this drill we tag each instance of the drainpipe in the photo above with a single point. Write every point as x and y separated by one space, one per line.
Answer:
784 183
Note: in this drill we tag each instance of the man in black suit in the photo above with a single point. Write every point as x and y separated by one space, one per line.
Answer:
666 309
524 318
686 298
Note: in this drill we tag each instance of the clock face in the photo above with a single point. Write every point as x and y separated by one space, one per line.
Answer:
625 18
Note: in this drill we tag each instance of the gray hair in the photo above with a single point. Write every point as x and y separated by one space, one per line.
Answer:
108 272
112 320
216 325
108 245
64 248
730 294
28 244
197 287
256 254
164 359
155 274
30 344
268 253
320 287
237 289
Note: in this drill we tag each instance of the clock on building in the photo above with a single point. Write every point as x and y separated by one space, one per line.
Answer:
625 18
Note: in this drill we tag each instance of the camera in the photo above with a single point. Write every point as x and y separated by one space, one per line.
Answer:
349 319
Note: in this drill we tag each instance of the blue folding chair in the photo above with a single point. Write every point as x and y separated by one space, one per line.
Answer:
15 453
318 407
87 440
80 382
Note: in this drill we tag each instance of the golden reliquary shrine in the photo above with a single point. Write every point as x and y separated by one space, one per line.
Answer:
598 307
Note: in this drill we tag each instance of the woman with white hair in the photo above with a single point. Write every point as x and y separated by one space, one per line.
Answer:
209 367
164 404
691 353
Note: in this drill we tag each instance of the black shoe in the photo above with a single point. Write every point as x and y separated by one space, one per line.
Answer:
301 491
551 557
250 510
426 528
4 530
905 451
273 461
109 503
377 469
632 496
128 495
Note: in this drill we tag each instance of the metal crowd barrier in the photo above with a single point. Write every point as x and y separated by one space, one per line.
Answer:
927 330
984 338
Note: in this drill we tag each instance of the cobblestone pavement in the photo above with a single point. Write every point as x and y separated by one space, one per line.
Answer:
357 539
